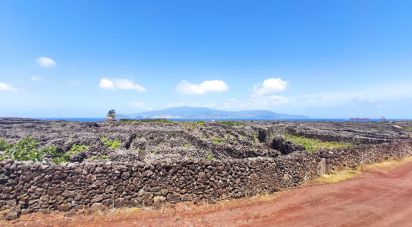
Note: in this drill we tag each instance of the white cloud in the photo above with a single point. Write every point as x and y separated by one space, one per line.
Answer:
37 78
120 84
270 86
46 62
6 87
207 86
106 84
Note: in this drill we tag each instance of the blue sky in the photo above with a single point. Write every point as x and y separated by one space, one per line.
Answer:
323 59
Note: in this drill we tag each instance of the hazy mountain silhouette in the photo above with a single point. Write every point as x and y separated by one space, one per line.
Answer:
193 113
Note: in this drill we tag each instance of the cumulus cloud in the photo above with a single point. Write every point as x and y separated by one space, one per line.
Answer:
6 87
46 62
270 86
120 84
208 86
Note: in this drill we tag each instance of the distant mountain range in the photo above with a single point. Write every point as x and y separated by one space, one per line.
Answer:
200 113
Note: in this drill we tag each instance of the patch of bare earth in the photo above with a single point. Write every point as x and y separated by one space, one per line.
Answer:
380 196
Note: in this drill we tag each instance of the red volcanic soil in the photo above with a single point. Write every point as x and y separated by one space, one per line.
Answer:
375 198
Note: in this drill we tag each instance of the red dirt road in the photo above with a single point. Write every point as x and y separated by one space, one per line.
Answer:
375 198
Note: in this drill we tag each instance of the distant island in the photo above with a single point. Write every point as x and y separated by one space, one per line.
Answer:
200 113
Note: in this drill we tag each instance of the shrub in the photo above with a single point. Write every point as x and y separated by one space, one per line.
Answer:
77 149
210 157
55 155
4 145
113 144
25 149
216 140
28 149
314 145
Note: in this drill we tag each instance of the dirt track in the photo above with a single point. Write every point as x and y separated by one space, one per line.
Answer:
375 198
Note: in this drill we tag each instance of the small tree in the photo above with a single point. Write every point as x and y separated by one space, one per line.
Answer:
111 115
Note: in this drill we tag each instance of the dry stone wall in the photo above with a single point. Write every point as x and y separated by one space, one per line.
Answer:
28 187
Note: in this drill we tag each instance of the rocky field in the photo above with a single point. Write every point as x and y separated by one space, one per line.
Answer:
71 166
160 140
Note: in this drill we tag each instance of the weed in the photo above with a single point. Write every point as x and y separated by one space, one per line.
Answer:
314 145
210 157
112 144
216 140
255 136
187 146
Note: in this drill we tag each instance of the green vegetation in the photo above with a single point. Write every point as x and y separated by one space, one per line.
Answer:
255 136
230 123
187 146
216 140
128 121
135 121
314 145
28 149
99 157
111 114
112 144
199 123
4 145
210 157
157 121
408 128
77 149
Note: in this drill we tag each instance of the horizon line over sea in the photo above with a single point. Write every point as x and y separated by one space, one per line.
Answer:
189 120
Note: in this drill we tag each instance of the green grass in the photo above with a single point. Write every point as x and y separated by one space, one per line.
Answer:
230 123
112 144
314 145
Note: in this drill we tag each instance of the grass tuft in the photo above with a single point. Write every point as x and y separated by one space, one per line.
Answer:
337 176
216 140
210 157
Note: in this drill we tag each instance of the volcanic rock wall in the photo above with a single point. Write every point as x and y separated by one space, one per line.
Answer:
27 187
